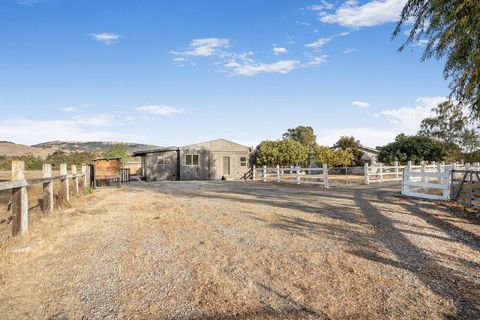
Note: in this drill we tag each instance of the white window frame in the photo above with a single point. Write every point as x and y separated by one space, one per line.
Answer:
191 164
244 163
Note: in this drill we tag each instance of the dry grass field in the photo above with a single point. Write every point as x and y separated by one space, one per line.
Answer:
228 250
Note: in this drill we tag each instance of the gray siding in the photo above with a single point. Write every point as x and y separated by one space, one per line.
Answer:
157 171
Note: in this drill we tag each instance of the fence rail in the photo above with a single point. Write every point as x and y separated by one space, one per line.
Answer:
465 187
426 185
314 176
18 185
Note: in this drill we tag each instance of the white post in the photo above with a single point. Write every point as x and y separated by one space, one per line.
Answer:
366 179
277 171
298 174
395 163
380 167
254 172
406 177
84 173
264 174
325 175
424 169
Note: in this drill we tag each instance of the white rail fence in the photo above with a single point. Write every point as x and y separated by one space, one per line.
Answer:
427 185
298 175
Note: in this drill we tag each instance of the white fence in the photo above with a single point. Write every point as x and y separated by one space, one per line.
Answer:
427 185
316 176
381 173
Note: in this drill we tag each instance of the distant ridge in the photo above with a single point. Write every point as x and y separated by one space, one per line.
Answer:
91 146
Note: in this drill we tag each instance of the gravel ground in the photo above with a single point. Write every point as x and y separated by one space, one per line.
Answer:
208 250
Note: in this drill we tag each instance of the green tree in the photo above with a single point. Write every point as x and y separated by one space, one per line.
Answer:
282 152
412 148
350 143
305 135
333 158
119 151
452 29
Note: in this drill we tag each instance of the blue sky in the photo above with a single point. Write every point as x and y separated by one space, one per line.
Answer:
179 72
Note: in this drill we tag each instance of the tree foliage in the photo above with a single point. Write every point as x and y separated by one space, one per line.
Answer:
333 158
31 162
452 29
282 152
305 135
119 151
77 158
451 126
412 148
351 144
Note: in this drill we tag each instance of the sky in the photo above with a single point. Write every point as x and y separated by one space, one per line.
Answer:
180 72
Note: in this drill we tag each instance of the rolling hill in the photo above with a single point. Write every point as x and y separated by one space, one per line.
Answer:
91 146
13 149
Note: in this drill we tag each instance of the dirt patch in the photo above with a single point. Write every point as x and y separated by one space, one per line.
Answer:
196 250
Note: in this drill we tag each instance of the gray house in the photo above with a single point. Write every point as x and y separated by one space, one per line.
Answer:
211 160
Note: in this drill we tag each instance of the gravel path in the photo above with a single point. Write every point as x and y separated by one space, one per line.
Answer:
208 250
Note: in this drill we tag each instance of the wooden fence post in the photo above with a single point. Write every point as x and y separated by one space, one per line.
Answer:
325 175
264 174
73 168
277 169
395 163
298 174
254 172
19 200
65 187
380 166
366 178
48 200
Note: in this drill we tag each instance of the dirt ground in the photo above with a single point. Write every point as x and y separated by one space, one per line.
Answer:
228 250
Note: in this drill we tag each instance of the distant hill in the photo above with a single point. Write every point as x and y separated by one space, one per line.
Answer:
91 146
13 149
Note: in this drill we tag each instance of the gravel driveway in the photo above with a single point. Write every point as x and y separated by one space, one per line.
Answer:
208 250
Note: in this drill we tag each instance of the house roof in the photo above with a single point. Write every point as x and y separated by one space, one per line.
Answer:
144 152
213 141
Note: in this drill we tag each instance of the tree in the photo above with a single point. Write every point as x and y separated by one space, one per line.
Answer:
333 158
304 135
412 148
453 128
451 28
119 151
282 152
350 143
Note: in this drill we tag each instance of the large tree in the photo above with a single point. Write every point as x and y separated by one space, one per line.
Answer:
303 134
352 144
451 126
452 29
333 158
282 152
412 148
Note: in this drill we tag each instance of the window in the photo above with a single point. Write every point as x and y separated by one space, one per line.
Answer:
191 159
162 161
243 161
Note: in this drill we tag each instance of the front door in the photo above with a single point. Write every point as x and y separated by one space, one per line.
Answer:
226 166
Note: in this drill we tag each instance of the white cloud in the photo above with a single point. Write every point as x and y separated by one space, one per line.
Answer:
250 68
322 6
408 119
160 110
318 43
105 37
69 109
372 13
316 61
361 104
205 47
350 50
279 50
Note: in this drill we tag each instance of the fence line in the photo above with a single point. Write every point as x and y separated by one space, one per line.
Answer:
422 184
298 175
18 185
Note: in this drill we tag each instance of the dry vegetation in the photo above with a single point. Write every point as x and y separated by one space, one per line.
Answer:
194 250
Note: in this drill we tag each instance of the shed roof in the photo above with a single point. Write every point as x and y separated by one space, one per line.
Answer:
144 152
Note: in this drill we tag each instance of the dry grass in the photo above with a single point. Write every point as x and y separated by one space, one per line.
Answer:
196 250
